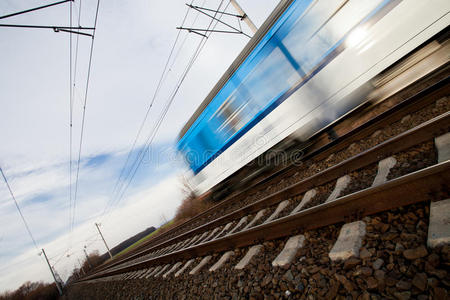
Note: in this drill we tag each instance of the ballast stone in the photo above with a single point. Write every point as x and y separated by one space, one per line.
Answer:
442 144
349 241
252 252
286 256
439 228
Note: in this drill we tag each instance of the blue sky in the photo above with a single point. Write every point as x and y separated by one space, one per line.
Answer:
132 43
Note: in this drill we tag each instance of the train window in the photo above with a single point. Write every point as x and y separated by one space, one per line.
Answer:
266 80
234 113
304 40
271 77
315 35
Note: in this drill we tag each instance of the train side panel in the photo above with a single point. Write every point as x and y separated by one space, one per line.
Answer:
328 55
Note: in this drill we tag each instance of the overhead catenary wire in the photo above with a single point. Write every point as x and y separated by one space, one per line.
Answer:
67 253
155 129
84 116
18 209
70 119
73 76
78 241
163 76
171 98
161 79
34 9
183 42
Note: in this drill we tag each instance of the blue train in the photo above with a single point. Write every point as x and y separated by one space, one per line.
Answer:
308 65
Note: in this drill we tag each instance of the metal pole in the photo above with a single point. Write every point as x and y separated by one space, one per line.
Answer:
109 252
81 267
33 9
53 274
246 19
87 258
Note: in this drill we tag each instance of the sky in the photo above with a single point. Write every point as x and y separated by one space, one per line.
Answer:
133 40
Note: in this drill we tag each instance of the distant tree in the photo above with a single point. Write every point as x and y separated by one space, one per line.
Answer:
191 204
94 259
32 291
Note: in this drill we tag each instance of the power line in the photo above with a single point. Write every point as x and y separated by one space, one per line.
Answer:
72 100
163 114
155 129
150 106
34 9
84 116
161 80
18 208
70 118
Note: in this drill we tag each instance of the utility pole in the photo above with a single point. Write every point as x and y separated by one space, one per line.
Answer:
245 18
87 257
53 274
109 252
81 267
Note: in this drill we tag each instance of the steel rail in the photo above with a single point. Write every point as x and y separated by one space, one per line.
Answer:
324 147
421 133
322 175
419 186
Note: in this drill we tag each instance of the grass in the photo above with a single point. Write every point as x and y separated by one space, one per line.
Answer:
145 238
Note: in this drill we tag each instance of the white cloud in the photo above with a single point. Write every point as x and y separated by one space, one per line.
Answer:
132 43
138 212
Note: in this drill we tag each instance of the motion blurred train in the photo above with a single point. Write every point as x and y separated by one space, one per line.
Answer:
308 65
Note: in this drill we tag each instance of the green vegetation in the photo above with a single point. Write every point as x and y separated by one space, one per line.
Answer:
145 238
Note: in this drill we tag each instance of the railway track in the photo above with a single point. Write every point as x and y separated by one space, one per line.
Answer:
322 154
349 131
294 221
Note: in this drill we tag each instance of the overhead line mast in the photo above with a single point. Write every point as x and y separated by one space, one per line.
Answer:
106 245
242 16
245 17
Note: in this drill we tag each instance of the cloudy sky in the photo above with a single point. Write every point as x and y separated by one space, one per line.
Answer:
132 43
